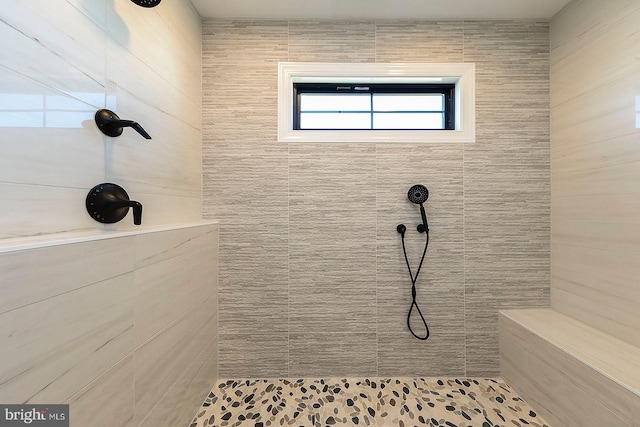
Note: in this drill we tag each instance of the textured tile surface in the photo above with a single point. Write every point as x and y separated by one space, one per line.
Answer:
506 182
365 401
309 248
595 108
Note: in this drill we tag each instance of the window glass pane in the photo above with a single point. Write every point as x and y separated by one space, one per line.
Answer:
15 102
408 102
25 119
335 121
408 120
337 102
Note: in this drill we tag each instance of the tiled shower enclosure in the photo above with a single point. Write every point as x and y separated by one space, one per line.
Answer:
312 277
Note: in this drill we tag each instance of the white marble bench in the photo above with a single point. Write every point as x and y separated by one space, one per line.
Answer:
572 373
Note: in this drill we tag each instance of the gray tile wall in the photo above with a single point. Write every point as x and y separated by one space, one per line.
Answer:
312 276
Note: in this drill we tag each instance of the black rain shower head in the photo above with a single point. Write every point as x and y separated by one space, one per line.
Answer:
418 194
147 3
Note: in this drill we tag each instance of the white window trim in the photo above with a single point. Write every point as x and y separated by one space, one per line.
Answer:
462 74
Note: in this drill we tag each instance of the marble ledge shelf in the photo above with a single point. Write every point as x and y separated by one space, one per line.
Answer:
54 239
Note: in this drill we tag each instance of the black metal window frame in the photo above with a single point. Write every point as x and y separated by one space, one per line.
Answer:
447 90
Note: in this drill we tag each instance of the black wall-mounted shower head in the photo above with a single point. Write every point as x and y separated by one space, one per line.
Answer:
419 194
147 3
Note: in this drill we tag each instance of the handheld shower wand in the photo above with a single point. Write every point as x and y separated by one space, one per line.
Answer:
417 194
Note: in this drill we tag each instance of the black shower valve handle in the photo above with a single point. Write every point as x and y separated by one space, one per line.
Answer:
111 125
136 206
109 203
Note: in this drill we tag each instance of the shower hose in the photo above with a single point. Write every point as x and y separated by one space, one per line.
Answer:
414 279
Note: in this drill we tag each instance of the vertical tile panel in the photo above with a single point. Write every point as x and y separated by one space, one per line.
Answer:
332 249
182 401
440 284
166 289
506 181
163 359
176 320
245 185
594 110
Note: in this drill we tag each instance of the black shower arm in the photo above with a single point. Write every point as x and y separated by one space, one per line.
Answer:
111 125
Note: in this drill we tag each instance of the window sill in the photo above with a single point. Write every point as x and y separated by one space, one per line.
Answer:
378 136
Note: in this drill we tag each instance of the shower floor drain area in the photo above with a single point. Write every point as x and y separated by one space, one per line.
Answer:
385 402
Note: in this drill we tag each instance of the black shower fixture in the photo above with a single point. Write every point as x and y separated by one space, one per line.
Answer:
109 203
111 125
417 194
147 3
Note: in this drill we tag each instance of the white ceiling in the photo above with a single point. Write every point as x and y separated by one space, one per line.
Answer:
379 9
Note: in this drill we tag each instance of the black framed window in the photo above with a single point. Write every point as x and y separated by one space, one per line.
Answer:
373 106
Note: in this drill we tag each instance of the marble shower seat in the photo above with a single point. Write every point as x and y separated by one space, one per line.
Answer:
572 373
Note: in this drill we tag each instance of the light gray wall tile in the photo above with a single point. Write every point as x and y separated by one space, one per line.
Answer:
506 181
419 41
332 41
328 354
484 300
259 355
402 355
326 258
246 172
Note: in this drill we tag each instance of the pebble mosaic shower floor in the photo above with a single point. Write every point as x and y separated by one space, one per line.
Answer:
394 402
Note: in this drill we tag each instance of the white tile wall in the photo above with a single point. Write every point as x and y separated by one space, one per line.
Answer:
595 79
111 326
62 60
